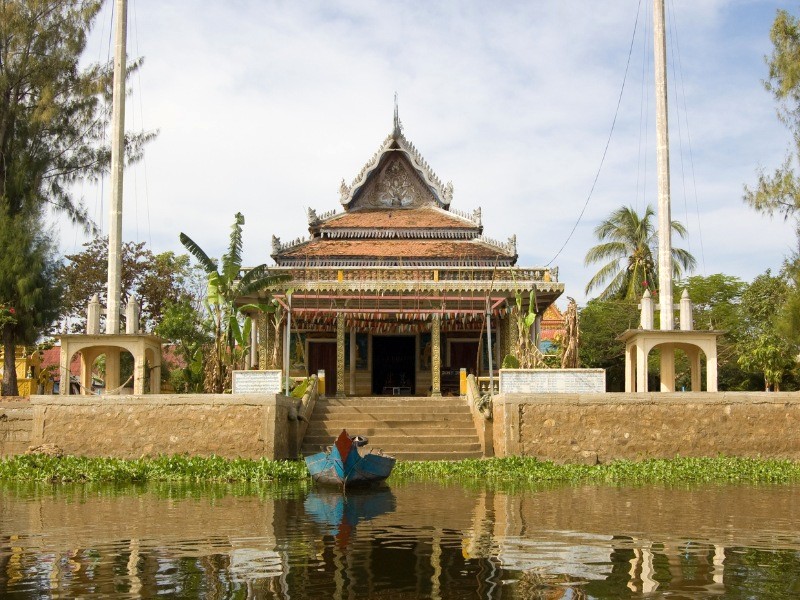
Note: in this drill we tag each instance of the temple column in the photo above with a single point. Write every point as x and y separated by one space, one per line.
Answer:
340 331
436 355
512 332
264 330
353 361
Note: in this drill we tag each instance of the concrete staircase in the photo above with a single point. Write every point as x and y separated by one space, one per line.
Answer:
408 428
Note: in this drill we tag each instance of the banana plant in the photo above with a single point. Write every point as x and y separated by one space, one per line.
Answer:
227 284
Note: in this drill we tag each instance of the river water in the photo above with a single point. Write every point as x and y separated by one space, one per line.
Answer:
407 540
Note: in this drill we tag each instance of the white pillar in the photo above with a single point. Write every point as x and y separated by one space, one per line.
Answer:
641 368
93 316
662 161
117 160
711 366
646 319
686 312
132 316
667 368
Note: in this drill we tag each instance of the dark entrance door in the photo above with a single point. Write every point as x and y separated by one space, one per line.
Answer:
322 355
393 365
464 355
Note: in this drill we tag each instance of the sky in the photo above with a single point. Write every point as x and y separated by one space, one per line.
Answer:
263 107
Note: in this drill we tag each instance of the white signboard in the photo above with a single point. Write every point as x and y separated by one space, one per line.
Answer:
257 382
552 381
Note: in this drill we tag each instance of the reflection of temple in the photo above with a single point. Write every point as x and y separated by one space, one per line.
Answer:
391 293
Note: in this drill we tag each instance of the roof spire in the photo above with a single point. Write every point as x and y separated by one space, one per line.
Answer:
398 126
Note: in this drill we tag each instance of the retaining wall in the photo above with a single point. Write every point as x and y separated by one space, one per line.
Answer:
16 425
591 428
248 426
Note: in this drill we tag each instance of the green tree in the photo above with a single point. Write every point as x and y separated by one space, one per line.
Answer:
628 245
155 279
226 285
779 192
717 303
53 110
763 348
185 326
29 302
600 324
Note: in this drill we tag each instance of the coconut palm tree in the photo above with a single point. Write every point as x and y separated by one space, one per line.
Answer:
628 244
226 285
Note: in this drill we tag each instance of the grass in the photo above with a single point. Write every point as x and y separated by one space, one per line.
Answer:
503 472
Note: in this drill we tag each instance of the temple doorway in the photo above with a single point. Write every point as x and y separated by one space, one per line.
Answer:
322 355
464 355
393 365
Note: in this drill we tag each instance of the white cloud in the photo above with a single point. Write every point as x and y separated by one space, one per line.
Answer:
265 106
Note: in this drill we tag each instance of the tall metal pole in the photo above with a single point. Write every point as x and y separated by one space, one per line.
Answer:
662 160
117 156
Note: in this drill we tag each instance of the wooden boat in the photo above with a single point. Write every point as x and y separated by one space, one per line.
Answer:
344 465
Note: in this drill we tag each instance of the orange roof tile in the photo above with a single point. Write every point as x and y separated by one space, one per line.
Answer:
426 218
407 249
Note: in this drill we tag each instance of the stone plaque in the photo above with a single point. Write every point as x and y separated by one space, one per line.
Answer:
257 382
549 381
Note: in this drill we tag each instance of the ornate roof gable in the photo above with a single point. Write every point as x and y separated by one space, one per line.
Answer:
396 177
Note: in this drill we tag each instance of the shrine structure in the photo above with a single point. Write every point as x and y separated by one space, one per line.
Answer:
390 294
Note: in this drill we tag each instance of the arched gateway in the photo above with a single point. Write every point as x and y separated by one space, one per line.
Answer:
390 294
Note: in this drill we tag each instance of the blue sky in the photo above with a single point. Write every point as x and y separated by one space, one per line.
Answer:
264 107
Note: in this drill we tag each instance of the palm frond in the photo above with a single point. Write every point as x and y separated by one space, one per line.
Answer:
207 263
606 272
232 259
609 250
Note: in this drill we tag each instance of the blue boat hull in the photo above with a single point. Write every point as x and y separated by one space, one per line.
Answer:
344 466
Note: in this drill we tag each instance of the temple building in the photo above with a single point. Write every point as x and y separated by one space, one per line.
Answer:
390 294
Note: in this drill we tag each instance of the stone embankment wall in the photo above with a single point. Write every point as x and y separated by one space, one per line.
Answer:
248 426
16 425
591 428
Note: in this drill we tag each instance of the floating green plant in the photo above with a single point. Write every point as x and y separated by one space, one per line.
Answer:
504 472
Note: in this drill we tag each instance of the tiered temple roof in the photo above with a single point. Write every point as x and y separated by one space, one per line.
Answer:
396 251
396 212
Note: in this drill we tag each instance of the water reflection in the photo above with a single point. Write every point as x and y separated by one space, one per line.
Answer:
407 541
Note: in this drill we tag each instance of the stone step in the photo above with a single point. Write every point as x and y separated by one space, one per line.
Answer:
394 450
392 400
332 431
393 417
407 427
394 439
408 455
400 408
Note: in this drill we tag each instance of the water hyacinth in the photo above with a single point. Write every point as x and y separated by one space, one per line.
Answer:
502 472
